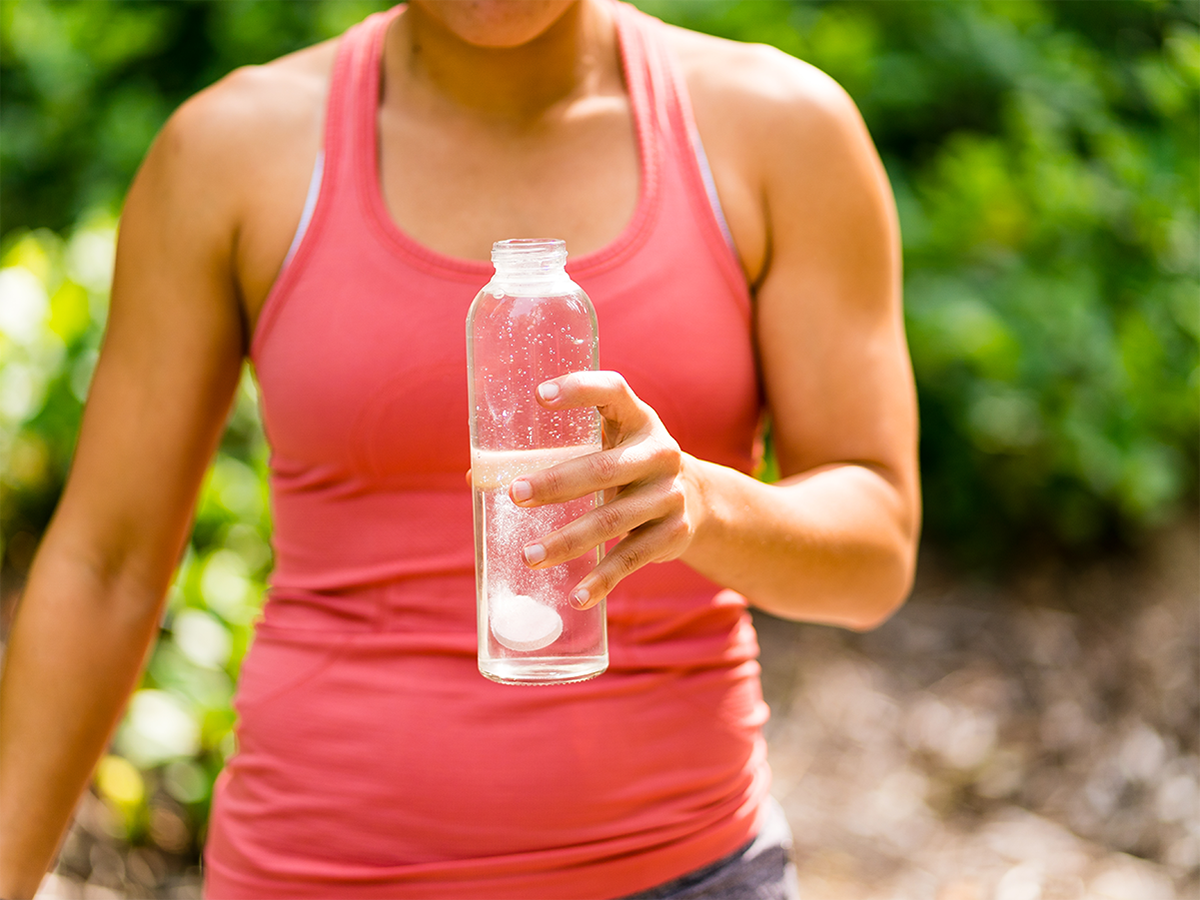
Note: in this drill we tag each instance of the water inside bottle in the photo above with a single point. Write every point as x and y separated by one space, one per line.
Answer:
532 631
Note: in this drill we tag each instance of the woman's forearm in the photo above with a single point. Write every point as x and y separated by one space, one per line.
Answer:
833 543
77 645
837 545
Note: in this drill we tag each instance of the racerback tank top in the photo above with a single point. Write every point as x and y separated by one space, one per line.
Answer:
374 760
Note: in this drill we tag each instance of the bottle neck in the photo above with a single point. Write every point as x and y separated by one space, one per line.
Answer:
530 265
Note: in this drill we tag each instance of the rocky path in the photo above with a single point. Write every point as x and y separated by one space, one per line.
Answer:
1037 741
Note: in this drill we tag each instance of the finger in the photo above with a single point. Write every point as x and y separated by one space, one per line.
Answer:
639 548
633 510
607 391
600 471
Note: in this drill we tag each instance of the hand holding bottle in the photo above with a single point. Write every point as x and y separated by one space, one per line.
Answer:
651 500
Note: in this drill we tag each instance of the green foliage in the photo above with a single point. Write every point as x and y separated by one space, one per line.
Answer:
85 86
1044 157
53 300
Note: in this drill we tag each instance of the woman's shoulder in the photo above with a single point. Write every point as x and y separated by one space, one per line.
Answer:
757 86
759 111
241 153
257 111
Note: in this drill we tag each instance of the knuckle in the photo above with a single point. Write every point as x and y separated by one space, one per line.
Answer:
610 519
677 496
604 466
632 558
605 580
607 577
548 483
560 544
677 530
669 496
667 456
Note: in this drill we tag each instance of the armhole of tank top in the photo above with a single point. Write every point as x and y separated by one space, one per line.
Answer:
286 275
310 203
710 186
688 143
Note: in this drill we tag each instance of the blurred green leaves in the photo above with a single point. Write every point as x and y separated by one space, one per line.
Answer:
85 86
53 298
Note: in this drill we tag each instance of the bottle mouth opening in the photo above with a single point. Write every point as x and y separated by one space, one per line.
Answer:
530 253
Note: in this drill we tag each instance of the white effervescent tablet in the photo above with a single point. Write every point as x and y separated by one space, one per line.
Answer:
522 624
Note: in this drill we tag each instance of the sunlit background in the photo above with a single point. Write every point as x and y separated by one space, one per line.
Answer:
1029 725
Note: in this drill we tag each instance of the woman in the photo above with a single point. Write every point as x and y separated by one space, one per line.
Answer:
727 213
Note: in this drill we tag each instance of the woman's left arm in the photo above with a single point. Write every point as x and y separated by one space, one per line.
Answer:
835 539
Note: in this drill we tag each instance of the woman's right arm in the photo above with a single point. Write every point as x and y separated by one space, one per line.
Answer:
167 371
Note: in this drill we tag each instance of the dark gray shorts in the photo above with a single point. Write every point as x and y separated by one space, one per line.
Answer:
761 870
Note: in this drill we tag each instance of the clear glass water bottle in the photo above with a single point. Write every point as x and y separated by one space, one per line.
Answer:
529 324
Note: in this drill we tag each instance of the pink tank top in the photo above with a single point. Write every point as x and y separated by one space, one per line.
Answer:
374 760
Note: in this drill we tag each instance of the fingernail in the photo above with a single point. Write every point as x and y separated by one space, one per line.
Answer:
521 490
548 391
534 554
580 597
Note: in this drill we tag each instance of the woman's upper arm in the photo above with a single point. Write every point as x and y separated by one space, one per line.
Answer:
169 364
830 331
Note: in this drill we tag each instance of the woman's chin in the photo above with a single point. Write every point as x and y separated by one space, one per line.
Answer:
499 24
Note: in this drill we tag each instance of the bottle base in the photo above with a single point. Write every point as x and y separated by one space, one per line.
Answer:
544 670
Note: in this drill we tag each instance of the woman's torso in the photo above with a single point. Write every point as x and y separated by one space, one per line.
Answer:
373 759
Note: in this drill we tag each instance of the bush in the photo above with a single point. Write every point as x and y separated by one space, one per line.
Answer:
84 86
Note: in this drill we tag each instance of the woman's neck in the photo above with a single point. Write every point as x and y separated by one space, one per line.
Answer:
427 62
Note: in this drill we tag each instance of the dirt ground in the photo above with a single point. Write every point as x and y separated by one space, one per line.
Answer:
1037 740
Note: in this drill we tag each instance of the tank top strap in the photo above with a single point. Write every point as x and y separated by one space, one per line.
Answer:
353 105
640 85
659 94
354 82
648 84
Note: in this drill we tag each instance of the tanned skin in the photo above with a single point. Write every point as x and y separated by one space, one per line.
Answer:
491 114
